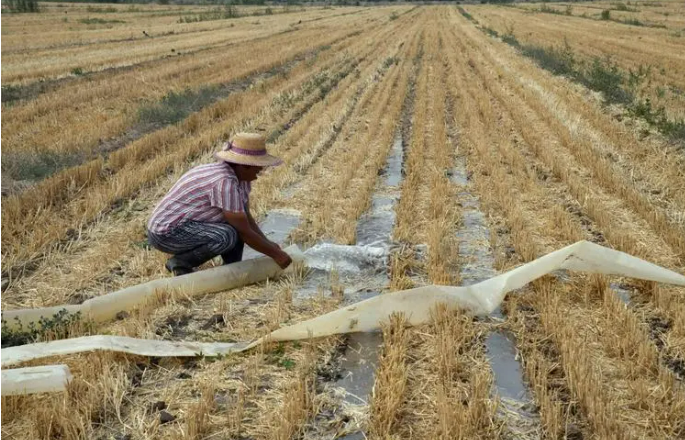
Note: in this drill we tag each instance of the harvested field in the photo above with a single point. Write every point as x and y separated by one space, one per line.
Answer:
422 145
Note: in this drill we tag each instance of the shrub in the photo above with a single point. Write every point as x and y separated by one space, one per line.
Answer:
559 61
511 39
77 71
633 22
12 93
658 118
606 77
491 32
101 10
606 15
390 61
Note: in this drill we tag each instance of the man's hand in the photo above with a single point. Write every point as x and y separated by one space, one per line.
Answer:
256 240
283 259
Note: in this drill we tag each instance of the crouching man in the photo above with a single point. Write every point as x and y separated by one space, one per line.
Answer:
207 212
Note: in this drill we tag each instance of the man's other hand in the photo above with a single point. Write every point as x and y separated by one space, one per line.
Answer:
282 259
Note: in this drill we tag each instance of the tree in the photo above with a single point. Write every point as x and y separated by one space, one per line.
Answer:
23 5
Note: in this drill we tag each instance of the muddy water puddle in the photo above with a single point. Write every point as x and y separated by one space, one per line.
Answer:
477 264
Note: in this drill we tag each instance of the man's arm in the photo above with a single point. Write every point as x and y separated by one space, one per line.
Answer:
254 224
241 222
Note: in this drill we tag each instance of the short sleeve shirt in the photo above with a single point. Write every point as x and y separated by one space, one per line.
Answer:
202 195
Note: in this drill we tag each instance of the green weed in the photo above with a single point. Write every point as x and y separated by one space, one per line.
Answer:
175 106
32 165
59 326
98 21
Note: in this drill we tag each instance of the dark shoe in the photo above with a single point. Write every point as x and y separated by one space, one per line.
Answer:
172 267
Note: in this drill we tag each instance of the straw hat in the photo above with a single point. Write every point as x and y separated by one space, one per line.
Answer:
247 149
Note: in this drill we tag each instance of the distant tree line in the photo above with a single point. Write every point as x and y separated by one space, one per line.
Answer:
32 5
22 5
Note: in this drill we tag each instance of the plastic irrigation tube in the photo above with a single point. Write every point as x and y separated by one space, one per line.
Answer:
479 299
50 378
106 307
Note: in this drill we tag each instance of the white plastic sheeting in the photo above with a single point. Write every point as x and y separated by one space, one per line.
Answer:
106 307
480 299
346 259
43 379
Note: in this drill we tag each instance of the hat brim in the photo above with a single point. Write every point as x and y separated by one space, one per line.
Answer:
265 160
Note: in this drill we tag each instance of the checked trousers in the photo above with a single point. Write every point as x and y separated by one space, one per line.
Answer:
194 243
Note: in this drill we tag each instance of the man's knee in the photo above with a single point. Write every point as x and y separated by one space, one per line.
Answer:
226 240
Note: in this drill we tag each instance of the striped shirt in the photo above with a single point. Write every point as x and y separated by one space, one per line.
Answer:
201 195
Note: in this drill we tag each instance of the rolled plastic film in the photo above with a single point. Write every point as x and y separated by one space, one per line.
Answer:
479 299
106 307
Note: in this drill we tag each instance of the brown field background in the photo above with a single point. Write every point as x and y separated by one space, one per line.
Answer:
100 119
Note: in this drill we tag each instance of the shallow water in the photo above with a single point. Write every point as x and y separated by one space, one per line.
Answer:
374 231
477 264
359 365
501 352
623 294
393 167
277 225
376 225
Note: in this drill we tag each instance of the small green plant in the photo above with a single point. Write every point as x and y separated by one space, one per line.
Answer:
636 77
78 71
605 15
58 326
268 11
287 363
394 16
390 61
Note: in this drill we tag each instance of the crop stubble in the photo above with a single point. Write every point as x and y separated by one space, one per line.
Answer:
550 168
